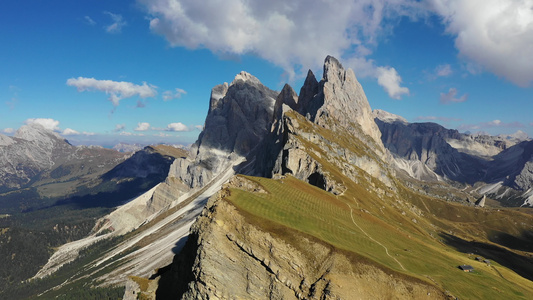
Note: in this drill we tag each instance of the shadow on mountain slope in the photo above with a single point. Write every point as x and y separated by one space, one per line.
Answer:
520 264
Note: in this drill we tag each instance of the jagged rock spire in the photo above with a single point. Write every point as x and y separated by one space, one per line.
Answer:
288 97
338 97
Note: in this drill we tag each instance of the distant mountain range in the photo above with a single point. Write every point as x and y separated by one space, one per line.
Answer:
498 166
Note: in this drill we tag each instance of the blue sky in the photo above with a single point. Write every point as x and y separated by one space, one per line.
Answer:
103 72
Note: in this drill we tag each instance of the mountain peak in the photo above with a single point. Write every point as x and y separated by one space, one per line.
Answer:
345 101
5 140
388 117
36 132
332 67
246 77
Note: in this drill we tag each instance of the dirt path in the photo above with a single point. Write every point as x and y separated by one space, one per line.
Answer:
375 241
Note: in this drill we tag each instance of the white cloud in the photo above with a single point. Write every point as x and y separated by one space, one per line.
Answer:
389 79
494 123
443 70
118 23
161 134
8 130
495 34
199 127
295 35
89 20
142 126
69 131
450 97
47 123
177 127
124 133
169 95
117 90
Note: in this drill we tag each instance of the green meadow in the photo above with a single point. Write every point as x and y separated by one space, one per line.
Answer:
385 233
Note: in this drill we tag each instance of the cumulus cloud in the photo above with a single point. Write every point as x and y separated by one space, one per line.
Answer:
497 35
389 79
118 23
117 90
8 130
177 127
284 33
443 70
142 126
199 127
70 131
169 95
124 133
161 134
493 34
47 123
451 97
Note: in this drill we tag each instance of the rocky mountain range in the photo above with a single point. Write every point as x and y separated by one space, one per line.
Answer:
37 154
496 165
37 163
313 196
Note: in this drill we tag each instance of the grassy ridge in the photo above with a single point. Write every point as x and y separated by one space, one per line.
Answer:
297 205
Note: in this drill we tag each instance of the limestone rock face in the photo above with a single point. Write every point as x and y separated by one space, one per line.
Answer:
481 201
344 103
239 118
428 151
427 143
524 179
227 257
338 104
288 97
307 104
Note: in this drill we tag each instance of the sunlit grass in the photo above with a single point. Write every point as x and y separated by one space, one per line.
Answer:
412 251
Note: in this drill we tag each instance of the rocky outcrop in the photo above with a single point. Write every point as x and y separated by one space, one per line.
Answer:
428 151
338 105
427 143
150 161
239 118
481 201
340 101
228 257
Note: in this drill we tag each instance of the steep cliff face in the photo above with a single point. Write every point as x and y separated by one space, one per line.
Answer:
338 100
427 143
239 119
330 124
428 151
229 257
